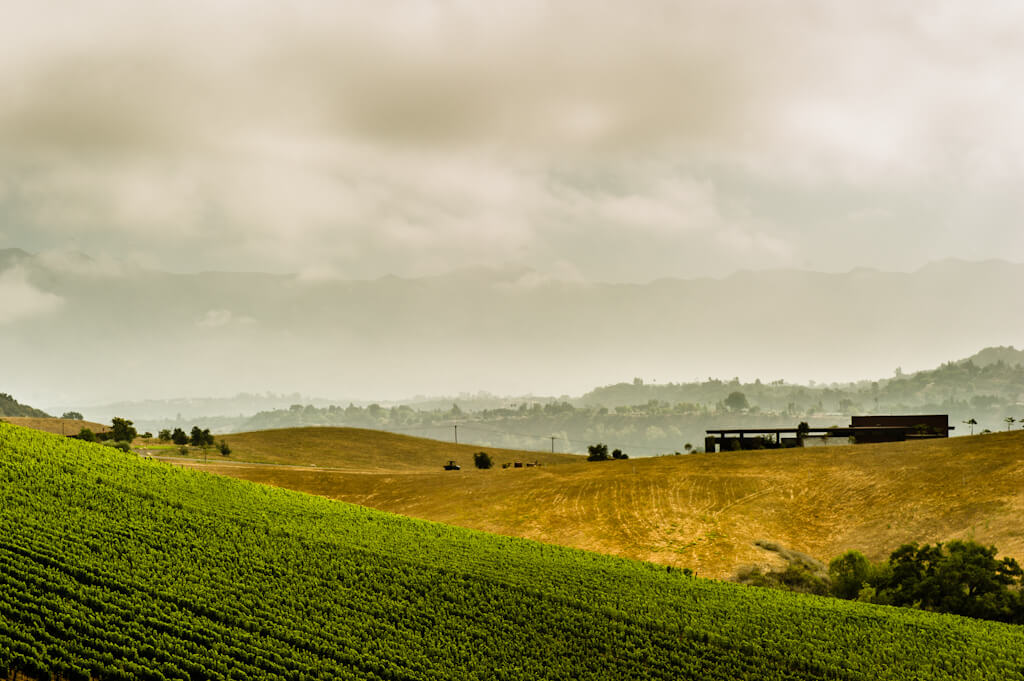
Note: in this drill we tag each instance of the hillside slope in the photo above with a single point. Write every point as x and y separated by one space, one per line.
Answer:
116 568
368 450
11 407
706 511
49 424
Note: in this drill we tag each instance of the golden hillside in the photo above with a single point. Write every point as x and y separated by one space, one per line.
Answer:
357 449
704 511
55 425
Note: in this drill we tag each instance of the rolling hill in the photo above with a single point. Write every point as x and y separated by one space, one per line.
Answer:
57 426
705 511
117 567
368 450
11 407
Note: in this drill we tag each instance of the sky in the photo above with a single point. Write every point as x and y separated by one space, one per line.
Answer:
594 140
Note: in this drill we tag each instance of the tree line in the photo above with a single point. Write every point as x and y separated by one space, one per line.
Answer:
960 577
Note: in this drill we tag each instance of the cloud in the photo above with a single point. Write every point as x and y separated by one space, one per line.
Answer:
412 138
22 300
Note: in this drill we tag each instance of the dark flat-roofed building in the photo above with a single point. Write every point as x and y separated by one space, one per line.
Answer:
862 429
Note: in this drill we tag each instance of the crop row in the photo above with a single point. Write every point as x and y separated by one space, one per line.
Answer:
115 567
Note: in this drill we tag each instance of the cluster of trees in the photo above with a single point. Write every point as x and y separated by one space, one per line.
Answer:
121 434
11 407
198 437
599 452
958 577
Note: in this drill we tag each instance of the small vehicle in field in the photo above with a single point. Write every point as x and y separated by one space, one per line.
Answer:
452 466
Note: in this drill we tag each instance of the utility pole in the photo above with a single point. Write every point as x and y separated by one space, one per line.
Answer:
552 444
456 427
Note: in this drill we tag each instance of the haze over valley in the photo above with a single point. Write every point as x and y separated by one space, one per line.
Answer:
86 335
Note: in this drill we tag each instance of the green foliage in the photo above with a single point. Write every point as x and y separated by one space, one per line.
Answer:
11 407
736 401
482 460
164 435
122 430
72 415
223 448
117 567
797 576
179 437
849 574
960 577
200 437
598 452
619 454
86 435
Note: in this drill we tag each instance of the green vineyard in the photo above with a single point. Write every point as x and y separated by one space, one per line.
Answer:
115 567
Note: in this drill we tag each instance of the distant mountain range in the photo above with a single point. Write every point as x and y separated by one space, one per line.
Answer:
78 330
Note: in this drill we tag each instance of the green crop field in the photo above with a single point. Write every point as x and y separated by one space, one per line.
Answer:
113 567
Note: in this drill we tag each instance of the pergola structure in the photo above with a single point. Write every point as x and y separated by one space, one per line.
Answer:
888 428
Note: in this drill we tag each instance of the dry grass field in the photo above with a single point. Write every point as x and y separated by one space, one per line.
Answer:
54 425
700 511
362 450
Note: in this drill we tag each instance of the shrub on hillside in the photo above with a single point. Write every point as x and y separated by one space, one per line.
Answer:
598 452
482 460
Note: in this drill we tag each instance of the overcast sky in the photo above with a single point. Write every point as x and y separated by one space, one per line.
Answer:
586 139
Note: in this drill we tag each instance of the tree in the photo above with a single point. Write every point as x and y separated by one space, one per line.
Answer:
72 416
1009 422
619 454
122 430
482 460
971 422
224 448
802 431
200 437
736 401
849 573
164 435
86 435
598 452
961 577
179 437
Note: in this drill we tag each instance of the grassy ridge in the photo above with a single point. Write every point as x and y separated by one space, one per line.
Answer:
115 567
706 511
368 450
56 425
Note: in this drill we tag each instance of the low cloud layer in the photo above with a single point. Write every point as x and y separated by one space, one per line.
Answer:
591 138
21 300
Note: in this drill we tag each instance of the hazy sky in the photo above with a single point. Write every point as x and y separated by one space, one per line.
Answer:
592 139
